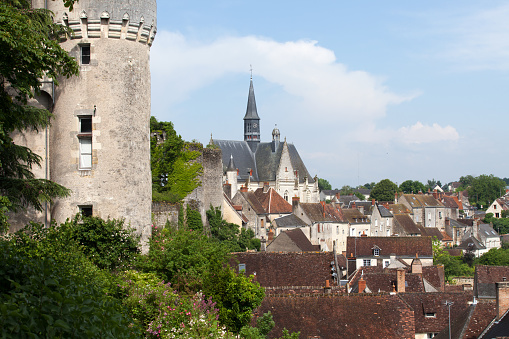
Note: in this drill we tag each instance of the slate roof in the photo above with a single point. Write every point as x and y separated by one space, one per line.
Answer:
251 112
384 212
292 239
486 231
486 277
340 316
263 161
433 303
272 202
471 243
366 205
401 246
455 223
290 220
406 224
471 322
498 329
286 269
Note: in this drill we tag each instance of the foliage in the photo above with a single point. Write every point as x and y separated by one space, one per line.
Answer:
453 266
235 294
264 325
194 219
346 190
501 225
29 51
4 219
323 184
175 173
369 185
411 187
384 190
495 257
182 257
484 189
431 184
165 314
181 219
228 233
48 288
105 242
360 196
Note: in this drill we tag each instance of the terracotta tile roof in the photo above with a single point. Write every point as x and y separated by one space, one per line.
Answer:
451 202
486 277
354 216
272 202
471 322
422 200
292 240
431 232
341 316
425 305
286 269
468 222
399 209
404 225
445 236
385 281
401 246
455 252
435 276
321 212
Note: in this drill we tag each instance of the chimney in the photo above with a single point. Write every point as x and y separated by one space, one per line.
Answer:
327 289
416 265
400 280
364 234
362 285
295 203
266 187
323 208
502 299
447 222
270 236
227 189
243 189
372 202
353 204
395 197
263 245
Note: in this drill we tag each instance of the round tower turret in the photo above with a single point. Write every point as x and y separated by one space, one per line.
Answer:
99 139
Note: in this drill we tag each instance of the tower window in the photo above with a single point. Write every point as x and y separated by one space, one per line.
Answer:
85 142
85 54
86 210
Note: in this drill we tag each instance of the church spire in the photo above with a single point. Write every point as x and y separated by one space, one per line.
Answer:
251 120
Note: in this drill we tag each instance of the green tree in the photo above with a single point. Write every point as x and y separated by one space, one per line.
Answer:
495 257
484 189
384 190
323 184
346 190
175 173
431 184
369 185
410 186
194 219
29 51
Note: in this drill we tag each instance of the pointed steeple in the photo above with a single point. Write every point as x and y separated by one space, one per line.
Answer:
231 165
251 120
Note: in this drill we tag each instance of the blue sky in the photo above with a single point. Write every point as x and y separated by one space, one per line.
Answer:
366 90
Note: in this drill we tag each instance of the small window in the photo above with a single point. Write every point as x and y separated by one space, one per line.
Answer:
85 54
85 125
366 262
430 315
376 252
387 262
86 210
85 142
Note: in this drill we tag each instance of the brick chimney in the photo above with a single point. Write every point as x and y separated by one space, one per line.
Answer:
295 203
243 189
364 234
323 208
266 187
327 289
400 280
395 197
447 222
502 298
362 285
416 265
270 236
353 204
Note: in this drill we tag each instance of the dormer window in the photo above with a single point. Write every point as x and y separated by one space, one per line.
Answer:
376 252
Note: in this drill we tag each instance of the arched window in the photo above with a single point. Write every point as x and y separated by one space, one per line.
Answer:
286 195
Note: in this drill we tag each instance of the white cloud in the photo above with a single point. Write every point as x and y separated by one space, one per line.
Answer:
477 40
303 69
419 133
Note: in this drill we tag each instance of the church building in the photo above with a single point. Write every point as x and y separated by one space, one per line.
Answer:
253 164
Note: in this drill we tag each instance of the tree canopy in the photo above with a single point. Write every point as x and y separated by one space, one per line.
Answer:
384 190
410 186
29 51
175 173
484 189
323 184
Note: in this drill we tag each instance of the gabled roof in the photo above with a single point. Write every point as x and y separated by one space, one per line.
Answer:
354 216
384 212
286 269
422 200
401 246
471 243
272 202
290 220
471 322
427 304
406 224
486 277
486 231
452 202
399 209
263 162
321 212
292 241
340 316
431 232
253 201
455 223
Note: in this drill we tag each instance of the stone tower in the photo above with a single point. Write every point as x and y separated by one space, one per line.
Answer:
99 145
251 120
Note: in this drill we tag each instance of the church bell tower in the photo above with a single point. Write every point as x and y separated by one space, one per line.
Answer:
251 120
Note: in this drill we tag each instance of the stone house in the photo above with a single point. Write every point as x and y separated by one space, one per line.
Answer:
499 205
358 223
426 210
381 221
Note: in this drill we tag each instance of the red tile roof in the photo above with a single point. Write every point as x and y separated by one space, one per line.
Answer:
272 202
401 246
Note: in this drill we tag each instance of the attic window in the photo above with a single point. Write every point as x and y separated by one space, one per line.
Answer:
376 252
430 315
242 267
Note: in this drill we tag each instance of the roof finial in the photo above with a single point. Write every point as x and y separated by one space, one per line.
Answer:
251 70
